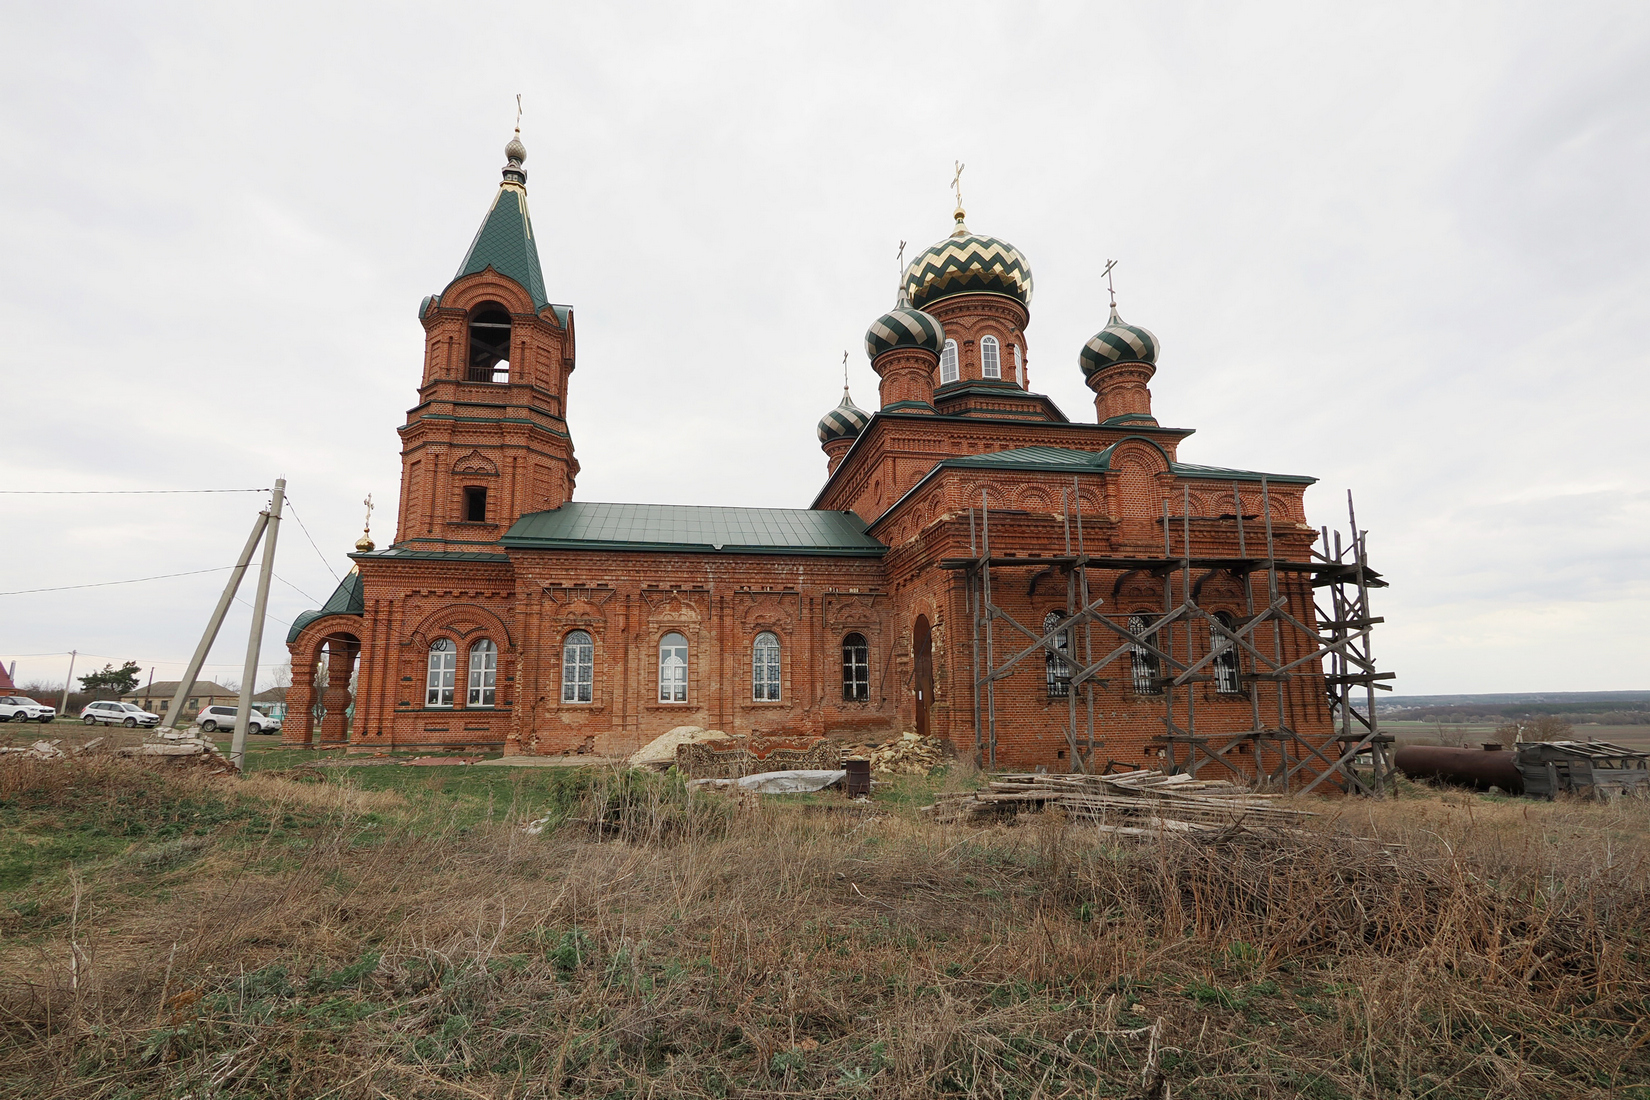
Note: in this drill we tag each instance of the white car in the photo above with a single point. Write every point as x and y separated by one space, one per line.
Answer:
124 714
16 708
213 718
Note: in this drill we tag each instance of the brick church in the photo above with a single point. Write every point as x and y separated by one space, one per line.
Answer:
509 616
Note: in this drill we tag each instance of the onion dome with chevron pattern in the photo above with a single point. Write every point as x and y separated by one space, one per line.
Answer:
903 327
1117 343
966 263
845 421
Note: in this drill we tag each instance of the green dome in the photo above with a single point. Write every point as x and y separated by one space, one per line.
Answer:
1117 343
966 263
845 421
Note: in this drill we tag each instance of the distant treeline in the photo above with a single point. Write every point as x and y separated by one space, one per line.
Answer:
1604 714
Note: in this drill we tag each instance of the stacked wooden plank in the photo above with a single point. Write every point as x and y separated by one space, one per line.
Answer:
1130 804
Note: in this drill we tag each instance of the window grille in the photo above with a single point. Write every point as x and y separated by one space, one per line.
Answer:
1226 657
856 669
1056 668
1143 663
578 667
765 668
991 357
483 674
673 654
948 362
443 669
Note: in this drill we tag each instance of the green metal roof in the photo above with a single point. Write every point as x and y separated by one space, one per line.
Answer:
505 243
346 599
1064 459
690 529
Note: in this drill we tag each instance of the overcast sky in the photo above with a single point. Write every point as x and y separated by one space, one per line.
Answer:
1402 248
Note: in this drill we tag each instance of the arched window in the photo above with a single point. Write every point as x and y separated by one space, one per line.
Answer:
765 668
991 357
1143 663
948 362
483 674
1019 367
1056 668
856 669
489 344
673 668
578 667
1226 656
443 668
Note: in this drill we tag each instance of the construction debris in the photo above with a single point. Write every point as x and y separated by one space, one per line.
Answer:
188 747
40 750
800 781
910 755
1133 804
661 751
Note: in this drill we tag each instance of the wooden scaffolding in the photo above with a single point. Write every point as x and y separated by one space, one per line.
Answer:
1086 640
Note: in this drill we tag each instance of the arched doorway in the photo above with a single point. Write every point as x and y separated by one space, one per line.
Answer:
922 679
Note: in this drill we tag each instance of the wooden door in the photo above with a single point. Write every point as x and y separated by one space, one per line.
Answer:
922 645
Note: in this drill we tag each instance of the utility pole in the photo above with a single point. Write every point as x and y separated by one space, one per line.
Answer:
254 641
210 635
64 705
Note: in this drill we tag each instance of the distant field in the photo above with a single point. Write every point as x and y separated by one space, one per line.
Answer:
1635 737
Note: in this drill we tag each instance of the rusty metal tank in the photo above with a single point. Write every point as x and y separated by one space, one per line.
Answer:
1480 768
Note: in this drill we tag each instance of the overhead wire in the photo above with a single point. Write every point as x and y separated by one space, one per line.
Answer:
106 584
311 538
115 492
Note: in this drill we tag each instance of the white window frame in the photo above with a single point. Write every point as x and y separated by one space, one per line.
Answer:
1019 367
1225 664
1056 667
483 676
991 357
856 668
578 667
765 668
948 362
441 670
673 668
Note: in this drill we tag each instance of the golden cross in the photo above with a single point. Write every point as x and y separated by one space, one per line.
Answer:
844 372
956 182
518 114
1109 288
367 526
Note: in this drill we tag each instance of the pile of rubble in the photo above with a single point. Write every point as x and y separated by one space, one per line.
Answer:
660 753
910 755
1133 804
189 747
43 750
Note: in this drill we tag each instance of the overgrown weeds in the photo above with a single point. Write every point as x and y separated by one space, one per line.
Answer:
322 939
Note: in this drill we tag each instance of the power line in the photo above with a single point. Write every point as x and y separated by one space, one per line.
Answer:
295 588
114 492
311 538
105 584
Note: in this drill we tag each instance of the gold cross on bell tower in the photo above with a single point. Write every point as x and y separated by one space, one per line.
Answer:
956 183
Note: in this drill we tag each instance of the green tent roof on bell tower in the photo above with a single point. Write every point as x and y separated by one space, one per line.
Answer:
505 240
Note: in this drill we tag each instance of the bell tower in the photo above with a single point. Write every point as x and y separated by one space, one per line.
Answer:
488 442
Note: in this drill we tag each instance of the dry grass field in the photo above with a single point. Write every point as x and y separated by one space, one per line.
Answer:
395 932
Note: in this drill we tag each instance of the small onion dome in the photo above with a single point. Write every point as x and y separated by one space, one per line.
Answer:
516 151
1117 343
903 327
965 263
845 421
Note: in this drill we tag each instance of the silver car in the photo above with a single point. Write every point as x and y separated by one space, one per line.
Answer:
117 714
18 708
212 718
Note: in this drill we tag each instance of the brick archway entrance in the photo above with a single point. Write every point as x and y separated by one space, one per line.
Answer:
922 679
